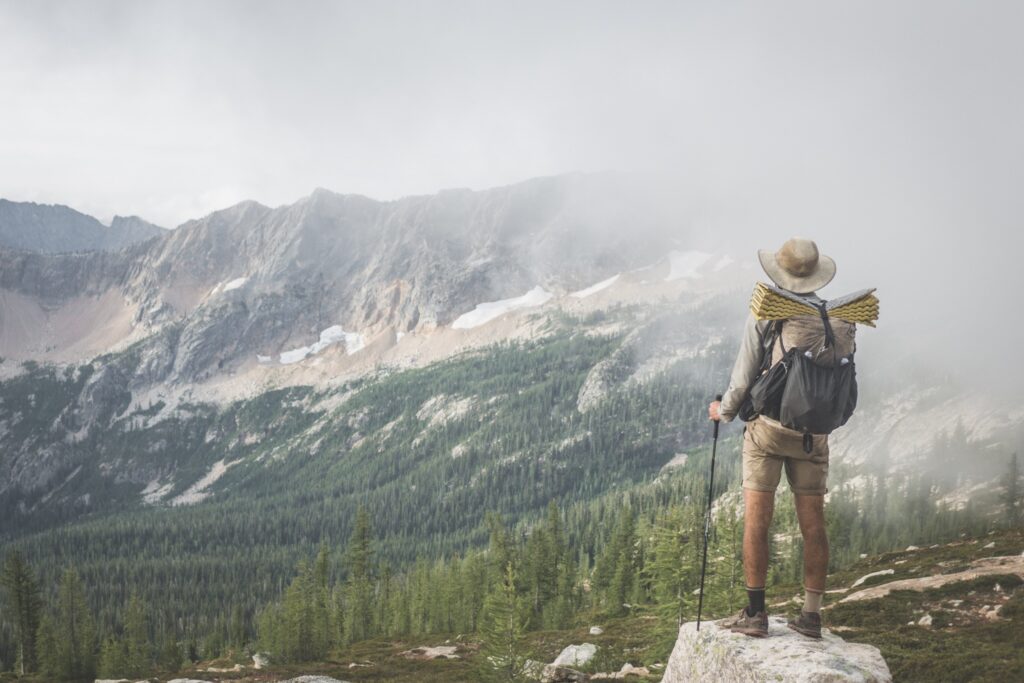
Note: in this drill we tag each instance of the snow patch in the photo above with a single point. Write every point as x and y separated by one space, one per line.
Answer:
686 264
197 491
228 286
592 289
490 310
332 335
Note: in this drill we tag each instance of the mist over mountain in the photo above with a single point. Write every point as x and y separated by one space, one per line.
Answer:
26 226
425 359
336 288
252 281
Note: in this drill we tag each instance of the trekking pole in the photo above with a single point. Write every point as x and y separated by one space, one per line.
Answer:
707 520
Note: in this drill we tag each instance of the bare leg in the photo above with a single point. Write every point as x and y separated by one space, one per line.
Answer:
810 511
759 506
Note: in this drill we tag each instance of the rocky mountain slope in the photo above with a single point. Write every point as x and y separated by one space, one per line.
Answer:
50 229
336 288
250 282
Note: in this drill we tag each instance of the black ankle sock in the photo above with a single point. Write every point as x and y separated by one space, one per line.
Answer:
756 598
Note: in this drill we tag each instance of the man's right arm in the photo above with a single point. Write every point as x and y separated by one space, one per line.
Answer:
744 370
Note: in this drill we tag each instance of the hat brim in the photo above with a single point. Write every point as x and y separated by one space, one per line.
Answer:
822 275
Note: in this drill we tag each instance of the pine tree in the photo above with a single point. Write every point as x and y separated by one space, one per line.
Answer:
359 610
673 567
504 623
500 550
295 637
138 650
24 604
614 573
475 589
113 658
46 648
73 631
269 626
322 628
558 608
170 659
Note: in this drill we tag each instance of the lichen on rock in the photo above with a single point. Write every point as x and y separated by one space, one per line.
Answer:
717 654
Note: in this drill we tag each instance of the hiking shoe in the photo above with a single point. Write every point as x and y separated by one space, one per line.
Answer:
756 626
808 623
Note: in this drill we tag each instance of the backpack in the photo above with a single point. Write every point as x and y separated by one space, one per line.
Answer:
808 379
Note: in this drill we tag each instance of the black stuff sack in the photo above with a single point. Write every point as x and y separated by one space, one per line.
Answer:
816 399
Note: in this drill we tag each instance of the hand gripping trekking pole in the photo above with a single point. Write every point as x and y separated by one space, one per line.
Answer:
707 520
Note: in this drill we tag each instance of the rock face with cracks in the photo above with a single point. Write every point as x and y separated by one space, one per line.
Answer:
717 654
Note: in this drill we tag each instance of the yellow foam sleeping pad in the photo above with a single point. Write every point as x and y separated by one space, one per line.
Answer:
773 303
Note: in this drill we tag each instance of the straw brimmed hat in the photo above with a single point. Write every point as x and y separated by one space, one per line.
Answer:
798 266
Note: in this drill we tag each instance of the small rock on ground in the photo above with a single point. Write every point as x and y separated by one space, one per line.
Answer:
575 655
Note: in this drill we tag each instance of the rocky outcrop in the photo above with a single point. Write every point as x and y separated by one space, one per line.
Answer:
987 566
717 654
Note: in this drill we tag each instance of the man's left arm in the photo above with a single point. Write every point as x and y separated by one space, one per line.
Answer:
744 371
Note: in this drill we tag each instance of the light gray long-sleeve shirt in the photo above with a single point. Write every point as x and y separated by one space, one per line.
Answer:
748 363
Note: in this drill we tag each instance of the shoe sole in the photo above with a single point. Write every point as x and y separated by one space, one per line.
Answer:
750 632
811 634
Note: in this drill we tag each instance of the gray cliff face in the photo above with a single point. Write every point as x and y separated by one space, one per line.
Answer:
56 278
42 228
252 280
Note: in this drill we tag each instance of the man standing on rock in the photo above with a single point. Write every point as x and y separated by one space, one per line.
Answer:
769 448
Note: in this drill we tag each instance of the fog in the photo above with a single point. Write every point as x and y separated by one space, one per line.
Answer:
887 131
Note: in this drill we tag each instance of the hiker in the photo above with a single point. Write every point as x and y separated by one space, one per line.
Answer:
769 447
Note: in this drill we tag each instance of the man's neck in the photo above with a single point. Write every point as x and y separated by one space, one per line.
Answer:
810 296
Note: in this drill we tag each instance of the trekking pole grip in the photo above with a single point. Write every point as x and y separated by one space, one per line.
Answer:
718 398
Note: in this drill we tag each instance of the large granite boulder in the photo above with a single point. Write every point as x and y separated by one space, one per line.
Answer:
717 654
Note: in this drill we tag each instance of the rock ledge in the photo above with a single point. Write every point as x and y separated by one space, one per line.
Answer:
717 654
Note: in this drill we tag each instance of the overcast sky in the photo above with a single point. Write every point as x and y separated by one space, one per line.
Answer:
892 132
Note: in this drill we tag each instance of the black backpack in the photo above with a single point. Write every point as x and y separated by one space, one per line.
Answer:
800 392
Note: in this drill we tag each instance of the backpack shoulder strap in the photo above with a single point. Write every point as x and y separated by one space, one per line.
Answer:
771 333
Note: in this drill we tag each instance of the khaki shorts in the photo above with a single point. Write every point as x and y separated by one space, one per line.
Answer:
768 448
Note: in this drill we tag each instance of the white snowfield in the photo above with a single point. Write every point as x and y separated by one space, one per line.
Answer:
228 286
686 264
197 491
490 310
593 289
332 335
235 284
